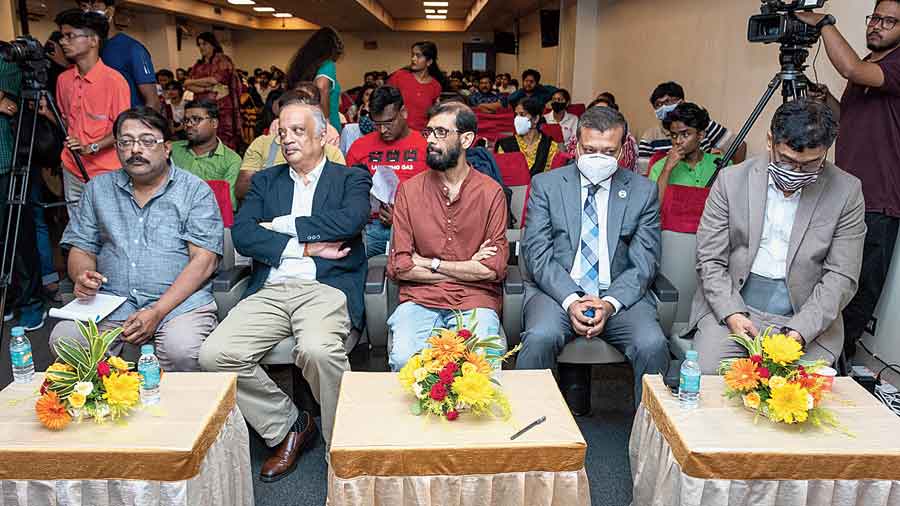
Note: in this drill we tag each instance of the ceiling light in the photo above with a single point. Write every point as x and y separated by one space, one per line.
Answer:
441 11
264 9
241 2
430 11
283 15
435 16
436 4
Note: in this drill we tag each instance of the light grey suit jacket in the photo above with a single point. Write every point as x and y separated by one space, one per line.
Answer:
824 254
553 234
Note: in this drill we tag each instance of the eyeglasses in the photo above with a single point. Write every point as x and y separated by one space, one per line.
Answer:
72 35
887 23
809 167
146 142
194 120
439 132
669 101
379 124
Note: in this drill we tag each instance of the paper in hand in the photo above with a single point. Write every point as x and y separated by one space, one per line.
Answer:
384 184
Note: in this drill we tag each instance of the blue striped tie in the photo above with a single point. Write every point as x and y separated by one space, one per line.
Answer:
590 238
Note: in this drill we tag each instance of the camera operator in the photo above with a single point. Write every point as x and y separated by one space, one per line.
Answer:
868 145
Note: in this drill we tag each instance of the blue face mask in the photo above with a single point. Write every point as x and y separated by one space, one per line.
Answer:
664 111
365 125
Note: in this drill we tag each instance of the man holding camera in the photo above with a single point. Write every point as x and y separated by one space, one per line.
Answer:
868 144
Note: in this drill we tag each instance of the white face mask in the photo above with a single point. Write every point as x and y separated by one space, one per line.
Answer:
597 167
522 124
664 111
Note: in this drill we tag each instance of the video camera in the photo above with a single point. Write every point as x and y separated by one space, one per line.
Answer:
22 49
777 23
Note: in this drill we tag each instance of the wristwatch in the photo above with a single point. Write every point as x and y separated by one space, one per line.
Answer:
827 20
435 263
93 148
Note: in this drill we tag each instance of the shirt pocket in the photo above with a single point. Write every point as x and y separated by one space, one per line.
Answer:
96 125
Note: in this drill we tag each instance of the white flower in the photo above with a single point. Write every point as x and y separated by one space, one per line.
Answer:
420 374
810 401
417 389
84 388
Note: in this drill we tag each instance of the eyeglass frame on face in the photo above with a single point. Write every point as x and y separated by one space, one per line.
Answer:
146 142
800 167
386 123
69 37
875 20
428 131
195 120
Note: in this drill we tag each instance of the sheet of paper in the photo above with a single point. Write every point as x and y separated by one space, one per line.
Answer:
95 309
384 184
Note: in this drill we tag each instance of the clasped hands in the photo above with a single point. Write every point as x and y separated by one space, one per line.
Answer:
587 326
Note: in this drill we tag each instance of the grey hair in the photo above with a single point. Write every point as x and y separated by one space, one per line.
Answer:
318 115
602 119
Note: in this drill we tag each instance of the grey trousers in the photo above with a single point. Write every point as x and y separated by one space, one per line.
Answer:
176 342
635 332
73 188
312 313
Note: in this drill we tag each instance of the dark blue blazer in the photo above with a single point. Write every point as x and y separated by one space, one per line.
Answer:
340 212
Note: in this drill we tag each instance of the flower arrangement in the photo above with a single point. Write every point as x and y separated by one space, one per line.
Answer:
773 382
453 374
84 382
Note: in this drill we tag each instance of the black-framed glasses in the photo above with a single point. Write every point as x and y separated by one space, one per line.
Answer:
385 123
195 120
72 36
439 132
888 23
808 167
147 142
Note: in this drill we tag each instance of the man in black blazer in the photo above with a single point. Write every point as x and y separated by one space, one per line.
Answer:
302 224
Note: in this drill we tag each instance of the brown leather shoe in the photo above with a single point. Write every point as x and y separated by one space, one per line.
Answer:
283 462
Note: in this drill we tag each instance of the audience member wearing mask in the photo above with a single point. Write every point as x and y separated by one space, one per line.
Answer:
420 83
392 147
128 56
604 261
629 158
538 148
559 116
780 244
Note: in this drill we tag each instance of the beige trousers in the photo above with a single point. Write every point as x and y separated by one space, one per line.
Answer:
176 342
313 313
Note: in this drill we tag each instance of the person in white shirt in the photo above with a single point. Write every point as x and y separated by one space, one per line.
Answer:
559 116
780 243
301 223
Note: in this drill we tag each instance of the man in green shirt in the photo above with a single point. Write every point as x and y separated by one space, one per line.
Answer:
203 154
686 164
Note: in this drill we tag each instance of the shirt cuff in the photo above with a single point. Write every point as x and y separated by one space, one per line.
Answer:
284 225
293 249
568 302
617 306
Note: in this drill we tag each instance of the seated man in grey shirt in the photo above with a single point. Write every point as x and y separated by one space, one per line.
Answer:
153 233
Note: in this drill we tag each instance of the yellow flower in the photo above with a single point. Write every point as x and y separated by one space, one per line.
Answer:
480 362
781 349
420 374
77 400
118 363
406 373
777 382
434 366
57 366
789 404
469 368
122 390
426 355
752 400
446 346
84 388
474 389
743 375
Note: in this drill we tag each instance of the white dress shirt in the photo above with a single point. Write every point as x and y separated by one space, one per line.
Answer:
294 265
604 278
569 125
771 258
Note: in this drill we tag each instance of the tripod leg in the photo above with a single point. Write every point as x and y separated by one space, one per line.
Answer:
62 125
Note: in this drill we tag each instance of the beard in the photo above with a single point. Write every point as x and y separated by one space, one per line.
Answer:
442 161
881 44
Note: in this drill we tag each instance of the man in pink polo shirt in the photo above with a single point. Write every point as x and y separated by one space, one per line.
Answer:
91 96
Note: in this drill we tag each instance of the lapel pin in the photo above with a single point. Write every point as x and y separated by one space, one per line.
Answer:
622 194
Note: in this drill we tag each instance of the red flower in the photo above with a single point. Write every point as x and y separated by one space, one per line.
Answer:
452 415
763 372
44 386
103 368
464 333
446 376
451 366
757 359
438 392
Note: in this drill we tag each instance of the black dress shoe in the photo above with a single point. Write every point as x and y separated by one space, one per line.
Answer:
284 461
575 385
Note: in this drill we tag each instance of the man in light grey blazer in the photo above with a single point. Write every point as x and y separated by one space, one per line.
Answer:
780 243
592 242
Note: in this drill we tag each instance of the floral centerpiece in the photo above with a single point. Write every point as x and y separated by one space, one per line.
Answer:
773 382
454 374
84 382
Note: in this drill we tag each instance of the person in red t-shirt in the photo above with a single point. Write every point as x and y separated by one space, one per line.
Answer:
392 146
420 83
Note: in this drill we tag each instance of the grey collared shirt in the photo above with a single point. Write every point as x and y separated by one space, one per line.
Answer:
142 250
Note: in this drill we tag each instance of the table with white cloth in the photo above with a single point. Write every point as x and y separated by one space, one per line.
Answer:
191 449
721 454
381 454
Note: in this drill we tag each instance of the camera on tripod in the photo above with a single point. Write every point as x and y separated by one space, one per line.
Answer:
777 23
22 49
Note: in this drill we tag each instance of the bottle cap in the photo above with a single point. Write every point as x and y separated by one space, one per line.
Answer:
17 331
691 355
147 349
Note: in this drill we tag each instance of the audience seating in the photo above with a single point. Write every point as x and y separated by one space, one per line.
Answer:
222 191
553 131
230 281
576 109
517 178
495 126
561 158
678 264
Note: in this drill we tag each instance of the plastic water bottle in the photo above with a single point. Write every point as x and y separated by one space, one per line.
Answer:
20 356
493 357
689 383
148 367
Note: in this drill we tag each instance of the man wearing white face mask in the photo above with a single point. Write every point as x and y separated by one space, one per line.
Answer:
657 140
592 246
780 243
